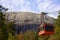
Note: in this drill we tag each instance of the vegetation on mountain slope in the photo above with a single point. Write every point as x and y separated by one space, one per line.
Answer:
5 27
7 31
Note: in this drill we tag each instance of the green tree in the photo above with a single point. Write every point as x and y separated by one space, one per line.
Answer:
56 36
10 30
5 27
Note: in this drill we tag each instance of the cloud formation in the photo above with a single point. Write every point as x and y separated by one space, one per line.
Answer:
35 6
48 5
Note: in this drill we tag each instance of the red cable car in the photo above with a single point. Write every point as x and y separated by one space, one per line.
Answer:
46 29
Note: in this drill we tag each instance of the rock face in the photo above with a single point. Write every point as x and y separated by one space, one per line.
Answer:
27 17
26 20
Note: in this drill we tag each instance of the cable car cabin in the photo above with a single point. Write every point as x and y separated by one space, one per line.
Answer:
46 29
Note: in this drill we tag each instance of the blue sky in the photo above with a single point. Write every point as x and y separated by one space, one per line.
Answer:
35 6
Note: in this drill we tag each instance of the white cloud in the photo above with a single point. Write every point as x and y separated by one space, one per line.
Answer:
47 5
17 1
20 5
42 6
26 7
35 6
16 5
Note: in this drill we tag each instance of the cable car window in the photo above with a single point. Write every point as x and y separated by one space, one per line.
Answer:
49 28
